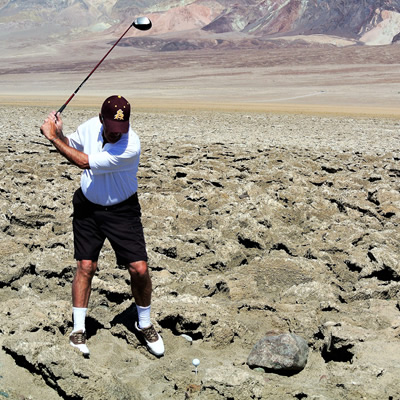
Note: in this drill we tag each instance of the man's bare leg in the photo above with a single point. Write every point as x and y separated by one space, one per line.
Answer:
141 290
82 284
140 283
81 288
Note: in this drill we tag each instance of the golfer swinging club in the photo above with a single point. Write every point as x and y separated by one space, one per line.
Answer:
106 206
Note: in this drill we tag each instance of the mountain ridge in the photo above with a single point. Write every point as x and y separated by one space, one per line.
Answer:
371 22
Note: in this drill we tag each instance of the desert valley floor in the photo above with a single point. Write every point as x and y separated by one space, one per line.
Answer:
270 192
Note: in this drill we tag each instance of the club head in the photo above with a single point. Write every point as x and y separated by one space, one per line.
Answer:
142 23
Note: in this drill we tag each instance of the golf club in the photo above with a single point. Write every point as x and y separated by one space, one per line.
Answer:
141 23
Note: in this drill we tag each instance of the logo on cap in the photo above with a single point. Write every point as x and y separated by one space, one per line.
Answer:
119 115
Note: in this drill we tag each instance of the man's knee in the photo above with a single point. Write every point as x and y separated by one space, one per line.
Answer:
87 268
138 268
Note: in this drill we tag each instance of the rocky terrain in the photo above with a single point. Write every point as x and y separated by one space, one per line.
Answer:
255 223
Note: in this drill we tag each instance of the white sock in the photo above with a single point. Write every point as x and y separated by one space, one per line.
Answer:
144 316
79 318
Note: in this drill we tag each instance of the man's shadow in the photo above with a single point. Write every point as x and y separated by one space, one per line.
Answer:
127 318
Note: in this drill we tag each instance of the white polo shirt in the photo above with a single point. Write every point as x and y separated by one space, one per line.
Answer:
113 168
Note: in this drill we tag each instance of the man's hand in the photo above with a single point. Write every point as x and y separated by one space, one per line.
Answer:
52 126
52 130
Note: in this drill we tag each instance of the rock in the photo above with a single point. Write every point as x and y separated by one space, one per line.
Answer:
310 292
281 353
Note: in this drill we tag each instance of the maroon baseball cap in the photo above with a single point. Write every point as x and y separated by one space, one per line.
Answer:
115 112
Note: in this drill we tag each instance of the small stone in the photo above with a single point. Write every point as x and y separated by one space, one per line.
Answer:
281 353
328 324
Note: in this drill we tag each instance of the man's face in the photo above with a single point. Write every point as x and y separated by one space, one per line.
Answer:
111 137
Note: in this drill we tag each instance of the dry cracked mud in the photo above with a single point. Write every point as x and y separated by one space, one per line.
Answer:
254 222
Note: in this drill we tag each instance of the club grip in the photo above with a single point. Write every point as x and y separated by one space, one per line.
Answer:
61 109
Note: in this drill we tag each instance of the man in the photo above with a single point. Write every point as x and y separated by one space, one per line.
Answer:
106 206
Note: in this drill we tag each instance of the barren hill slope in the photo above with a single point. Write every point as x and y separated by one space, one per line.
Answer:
368 21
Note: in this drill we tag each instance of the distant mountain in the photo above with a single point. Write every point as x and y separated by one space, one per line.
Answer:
369 21
252 21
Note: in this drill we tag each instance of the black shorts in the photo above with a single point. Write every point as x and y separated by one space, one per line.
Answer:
120 224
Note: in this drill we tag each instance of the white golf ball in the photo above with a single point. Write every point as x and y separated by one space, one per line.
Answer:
196 362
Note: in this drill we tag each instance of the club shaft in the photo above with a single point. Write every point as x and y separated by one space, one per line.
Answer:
61 109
